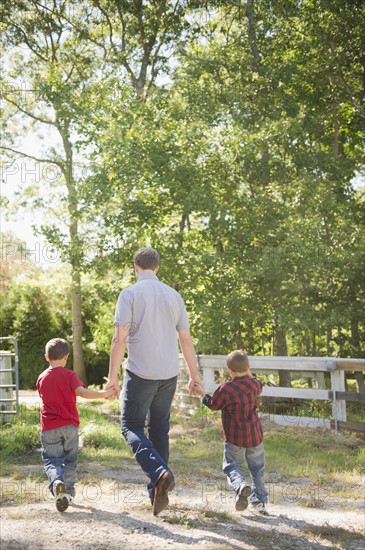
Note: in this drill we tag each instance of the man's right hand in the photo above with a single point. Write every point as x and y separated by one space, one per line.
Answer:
198 389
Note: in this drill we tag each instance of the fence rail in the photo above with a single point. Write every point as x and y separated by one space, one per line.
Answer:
212 368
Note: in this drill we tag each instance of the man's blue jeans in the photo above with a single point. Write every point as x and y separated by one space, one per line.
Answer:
148 401
59 455
234 457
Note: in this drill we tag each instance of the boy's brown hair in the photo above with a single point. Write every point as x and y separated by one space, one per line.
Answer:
57 348
146 258
237 361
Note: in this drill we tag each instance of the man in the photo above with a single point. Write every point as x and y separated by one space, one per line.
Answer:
150 317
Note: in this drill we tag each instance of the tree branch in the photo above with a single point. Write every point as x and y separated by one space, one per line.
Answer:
124 57
155 56
353 100
70 73
54 49
237 4
232 2
26 41
46 161
113 46
38 119
141 29
108 23
120 13
77 28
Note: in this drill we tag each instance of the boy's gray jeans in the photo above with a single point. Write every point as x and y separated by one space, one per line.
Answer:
254 458
59 455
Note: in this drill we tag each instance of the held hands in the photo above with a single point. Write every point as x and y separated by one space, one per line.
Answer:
196 388
199 389
113 389
109 393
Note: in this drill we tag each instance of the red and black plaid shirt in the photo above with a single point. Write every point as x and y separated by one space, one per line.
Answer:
237 400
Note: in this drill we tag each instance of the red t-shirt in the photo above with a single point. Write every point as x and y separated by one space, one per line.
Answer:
56 388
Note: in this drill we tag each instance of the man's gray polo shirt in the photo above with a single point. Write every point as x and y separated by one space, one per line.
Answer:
153 312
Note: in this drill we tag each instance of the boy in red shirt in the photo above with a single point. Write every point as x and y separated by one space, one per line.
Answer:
242 429
58 388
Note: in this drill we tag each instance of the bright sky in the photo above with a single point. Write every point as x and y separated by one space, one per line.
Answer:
22 173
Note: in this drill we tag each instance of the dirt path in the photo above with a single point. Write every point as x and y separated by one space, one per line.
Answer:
113 513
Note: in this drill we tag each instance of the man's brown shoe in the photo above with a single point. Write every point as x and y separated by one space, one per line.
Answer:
161 500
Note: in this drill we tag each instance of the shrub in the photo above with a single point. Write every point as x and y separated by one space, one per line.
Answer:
17 440
33 327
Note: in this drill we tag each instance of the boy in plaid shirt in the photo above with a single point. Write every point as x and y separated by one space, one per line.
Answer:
242 429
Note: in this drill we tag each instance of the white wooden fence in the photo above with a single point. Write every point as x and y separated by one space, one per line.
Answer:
213 366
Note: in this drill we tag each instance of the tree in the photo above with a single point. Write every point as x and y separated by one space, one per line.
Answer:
44 90
235 160
33 326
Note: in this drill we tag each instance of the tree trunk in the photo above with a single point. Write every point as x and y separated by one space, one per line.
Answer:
76 302
78 357
328 340
314 344
250 340
239 340
307 342
251 19
263 346
184 223
280 348
355 338
336 133
356 352
255 67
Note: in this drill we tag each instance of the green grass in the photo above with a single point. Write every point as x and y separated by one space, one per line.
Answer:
290 451
312 408
18 439
312 453
98 411
105 457
196 447
102 435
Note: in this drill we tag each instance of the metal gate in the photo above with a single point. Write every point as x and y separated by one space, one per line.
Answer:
9 381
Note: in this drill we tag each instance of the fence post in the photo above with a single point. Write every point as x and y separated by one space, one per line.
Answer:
208 379
320 380
339 405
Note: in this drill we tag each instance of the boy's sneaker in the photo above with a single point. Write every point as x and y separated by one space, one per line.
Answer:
71 493
242 498
59 491
259 507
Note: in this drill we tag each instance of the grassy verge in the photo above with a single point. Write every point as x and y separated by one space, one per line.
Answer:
312 408
18 440
290 451
317 456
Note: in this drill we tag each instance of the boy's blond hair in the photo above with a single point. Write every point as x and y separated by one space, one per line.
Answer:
237 361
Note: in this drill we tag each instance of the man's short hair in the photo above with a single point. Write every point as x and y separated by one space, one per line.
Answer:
57 348
237 361
146 258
